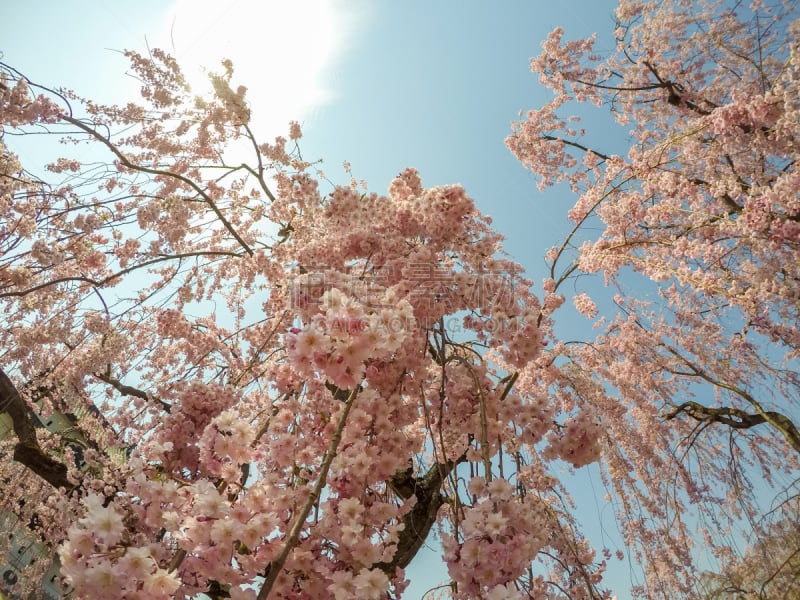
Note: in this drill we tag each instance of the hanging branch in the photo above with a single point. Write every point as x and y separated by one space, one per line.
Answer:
274 569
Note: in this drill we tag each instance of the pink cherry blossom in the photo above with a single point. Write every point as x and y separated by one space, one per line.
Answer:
271 385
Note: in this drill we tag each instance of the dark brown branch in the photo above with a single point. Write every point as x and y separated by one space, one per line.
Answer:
551 138
616 88
420 519
780 422
676 96
737 418
127 390
27 451
260 174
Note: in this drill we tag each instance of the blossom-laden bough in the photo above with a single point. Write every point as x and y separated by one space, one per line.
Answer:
699 230
265 390
274 392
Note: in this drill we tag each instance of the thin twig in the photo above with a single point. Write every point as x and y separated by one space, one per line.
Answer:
276 566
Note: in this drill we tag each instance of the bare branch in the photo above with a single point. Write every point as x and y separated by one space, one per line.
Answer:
737 418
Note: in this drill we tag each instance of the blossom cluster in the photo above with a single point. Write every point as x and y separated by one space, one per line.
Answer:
498 538
578 441
101 565
316 430
346 334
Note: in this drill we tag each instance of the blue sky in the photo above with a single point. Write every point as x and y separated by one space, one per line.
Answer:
383 85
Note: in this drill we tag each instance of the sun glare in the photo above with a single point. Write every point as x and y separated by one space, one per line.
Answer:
284 52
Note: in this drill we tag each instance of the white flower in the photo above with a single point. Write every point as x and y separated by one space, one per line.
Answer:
104 522
161 582
371 584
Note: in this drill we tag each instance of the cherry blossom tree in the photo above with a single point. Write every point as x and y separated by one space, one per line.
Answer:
770 568
697 227
271 391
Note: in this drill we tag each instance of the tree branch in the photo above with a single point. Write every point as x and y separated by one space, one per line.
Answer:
27 451
275 567
418 522
127 390
552 138
737 418
134 167
781 422
96 283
